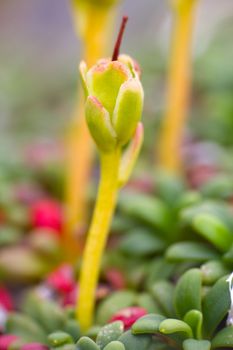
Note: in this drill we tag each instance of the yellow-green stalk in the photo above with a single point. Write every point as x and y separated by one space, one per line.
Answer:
114 100
93 20
179 81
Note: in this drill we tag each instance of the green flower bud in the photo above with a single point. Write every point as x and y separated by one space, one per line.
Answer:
99 124
104 81
128 109
114 101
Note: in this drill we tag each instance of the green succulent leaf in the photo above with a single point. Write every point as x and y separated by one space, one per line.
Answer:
216 304
159 269
128 110
99 124
187 294
59 338
163 291
170 326
194 319
189 198
115 302
148 324
223 339
72 327
115 345
190 251
141 242
47 313
219 210
168 187
212 229
26 328
228 256
146 301
86 343
220 186
135 342
212 271
109 333
9 235
151 211
93 332
193 344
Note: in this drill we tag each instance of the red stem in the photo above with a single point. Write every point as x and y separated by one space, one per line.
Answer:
119 39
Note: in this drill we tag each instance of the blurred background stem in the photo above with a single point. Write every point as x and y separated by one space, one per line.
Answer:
178 85
93 25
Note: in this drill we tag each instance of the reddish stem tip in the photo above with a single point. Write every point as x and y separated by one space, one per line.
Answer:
119 38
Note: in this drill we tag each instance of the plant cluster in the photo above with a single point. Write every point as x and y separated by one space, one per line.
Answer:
165 279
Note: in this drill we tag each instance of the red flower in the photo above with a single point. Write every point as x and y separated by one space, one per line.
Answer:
6 340
62 279
129 315
47 213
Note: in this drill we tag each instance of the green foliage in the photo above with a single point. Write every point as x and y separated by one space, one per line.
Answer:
190 251
114 303
187 294
216 304
109 333
43 321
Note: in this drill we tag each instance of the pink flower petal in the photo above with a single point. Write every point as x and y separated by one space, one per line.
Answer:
6 340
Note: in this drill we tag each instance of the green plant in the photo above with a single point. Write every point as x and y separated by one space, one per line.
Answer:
114 100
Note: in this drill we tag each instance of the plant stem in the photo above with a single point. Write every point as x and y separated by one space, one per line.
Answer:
96 241
179 81
93 25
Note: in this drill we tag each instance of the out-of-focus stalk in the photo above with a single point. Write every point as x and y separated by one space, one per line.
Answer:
179 83
93 24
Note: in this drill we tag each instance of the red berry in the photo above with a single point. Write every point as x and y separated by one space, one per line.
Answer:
6 340
62 279
47 213
5 299
129 315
